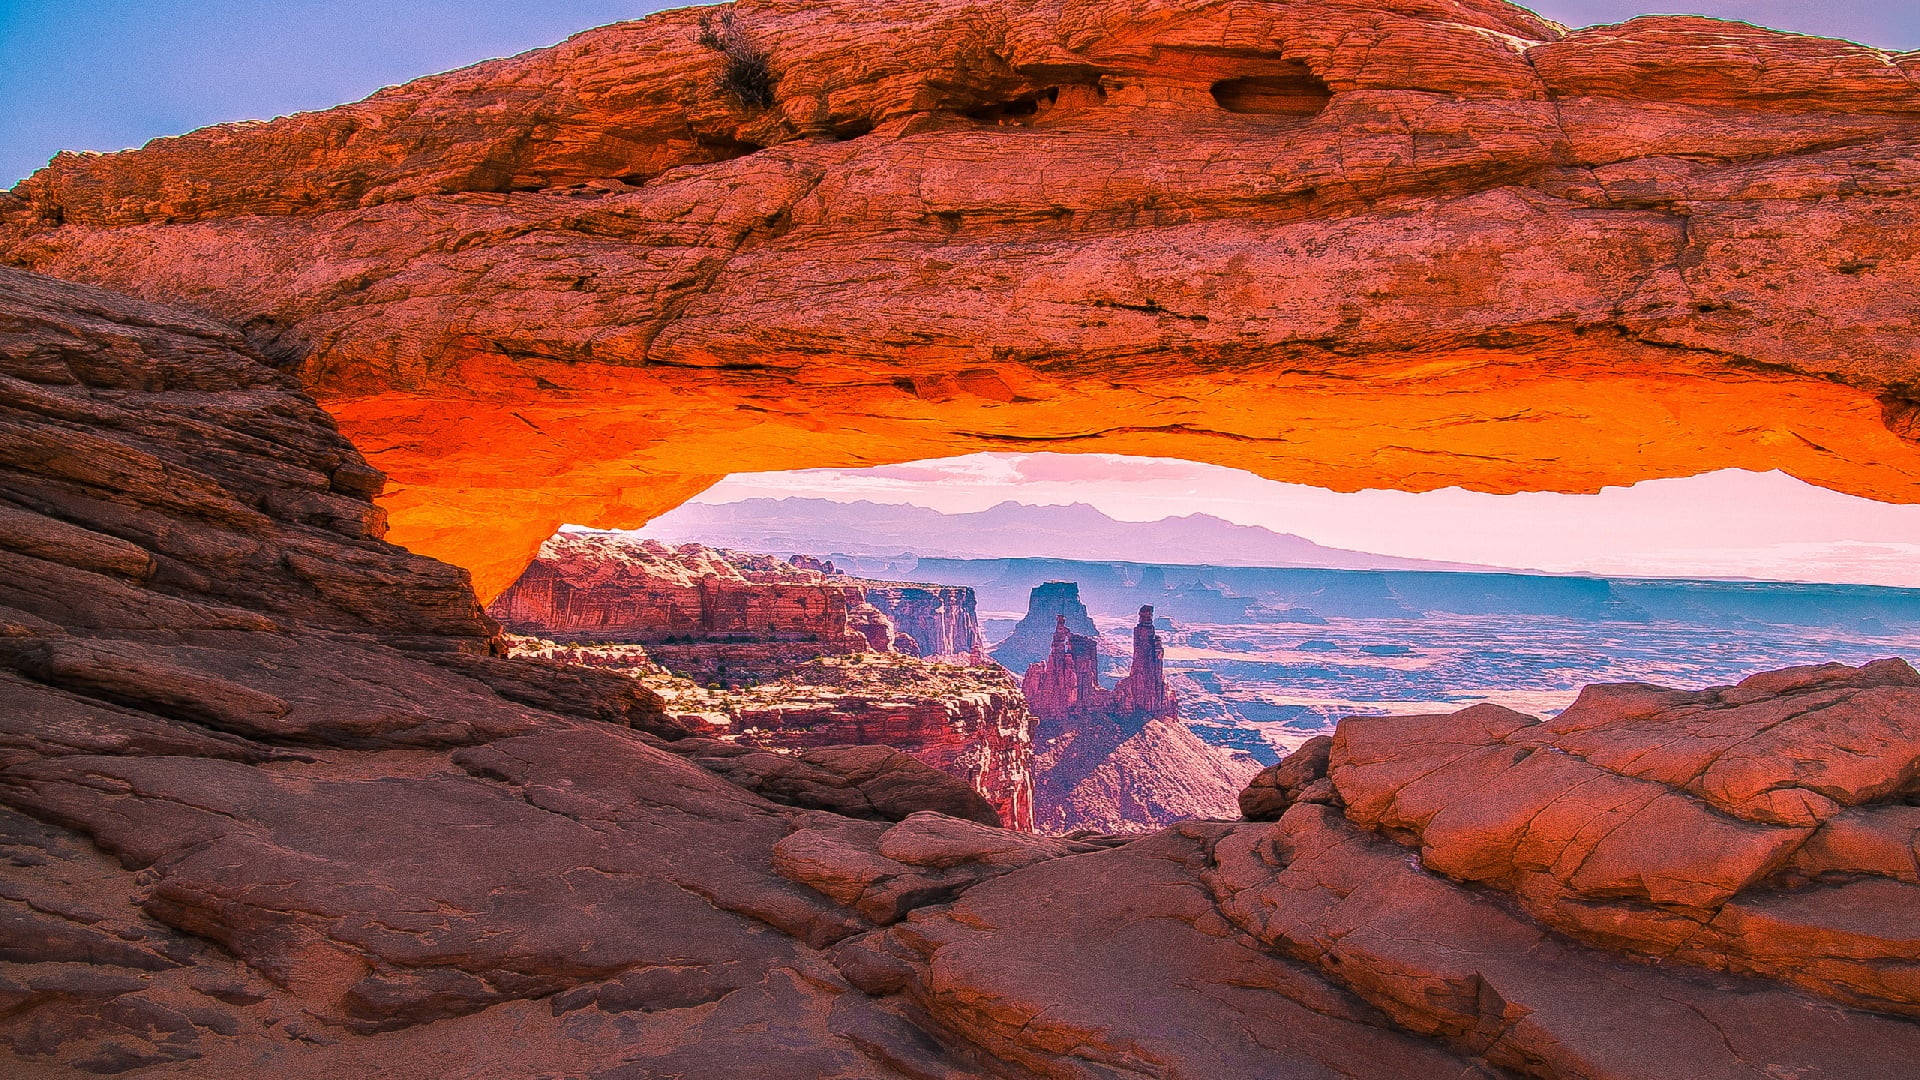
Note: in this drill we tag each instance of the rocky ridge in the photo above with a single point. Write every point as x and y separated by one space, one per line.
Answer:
783 654
1351 243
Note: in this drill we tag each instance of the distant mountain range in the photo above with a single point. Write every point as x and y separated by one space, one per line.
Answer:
1010 530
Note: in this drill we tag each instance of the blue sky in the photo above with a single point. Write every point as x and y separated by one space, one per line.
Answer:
108 74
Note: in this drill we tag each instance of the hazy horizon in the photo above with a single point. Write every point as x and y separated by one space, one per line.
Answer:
1729 524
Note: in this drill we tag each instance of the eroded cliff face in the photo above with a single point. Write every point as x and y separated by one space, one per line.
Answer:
939 621
968 722
710 615
1351 243
783 653
271 805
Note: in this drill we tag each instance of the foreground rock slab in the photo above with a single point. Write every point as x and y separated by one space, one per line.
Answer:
270 804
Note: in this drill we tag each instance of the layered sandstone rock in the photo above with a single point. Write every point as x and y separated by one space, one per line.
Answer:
1763 828
1353 243
938 621
764 637
968 722
714 616
273 807
267 784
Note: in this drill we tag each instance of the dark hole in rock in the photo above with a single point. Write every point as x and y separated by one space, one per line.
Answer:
1016 110
851 129
1296 93
726 147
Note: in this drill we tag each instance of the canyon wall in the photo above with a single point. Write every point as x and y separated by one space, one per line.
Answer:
271 804
971 723
938 620
752 629
600 587
1349 243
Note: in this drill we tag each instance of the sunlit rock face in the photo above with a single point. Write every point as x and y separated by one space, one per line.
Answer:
704 613
1343 242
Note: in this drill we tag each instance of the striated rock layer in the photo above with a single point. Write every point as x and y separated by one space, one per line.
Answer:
710 614
765 637
270 805
1352 243
939 621
968 722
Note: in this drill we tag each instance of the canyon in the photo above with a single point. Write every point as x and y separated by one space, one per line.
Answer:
793 654
277 797
783 654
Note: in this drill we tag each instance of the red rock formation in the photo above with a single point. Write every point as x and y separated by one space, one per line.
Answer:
1353 243
271 806
1066 685
968 722
1119 759
603 587
938 620
735 620
1144 690
1763 828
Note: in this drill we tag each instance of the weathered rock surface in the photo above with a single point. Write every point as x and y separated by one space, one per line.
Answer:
285 793
1762 828
1299 777
1352 243
872 781
939 621
968 722
707 614
269 806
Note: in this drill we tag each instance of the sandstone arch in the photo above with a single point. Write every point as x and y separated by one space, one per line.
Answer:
581 284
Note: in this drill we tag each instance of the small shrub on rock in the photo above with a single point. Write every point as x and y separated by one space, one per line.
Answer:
745 76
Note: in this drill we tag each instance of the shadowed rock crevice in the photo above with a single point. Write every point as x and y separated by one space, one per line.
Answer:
1297 94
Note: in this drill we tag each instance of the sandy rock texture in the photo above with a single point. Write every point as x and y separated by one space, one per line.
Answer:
1407 243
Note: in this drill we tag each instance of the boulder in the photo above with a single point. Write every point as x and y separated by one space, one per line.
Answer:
1292 779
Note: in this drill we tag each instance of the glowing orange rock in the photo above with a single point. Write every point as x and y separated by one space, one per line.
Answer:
1353 243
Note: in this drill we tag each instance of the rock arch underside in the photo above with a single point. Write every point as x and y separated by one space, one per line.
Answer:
1367 244
272 800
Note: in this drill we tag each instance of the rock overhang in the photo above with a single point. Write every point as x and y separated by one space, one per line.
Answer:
1377 243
